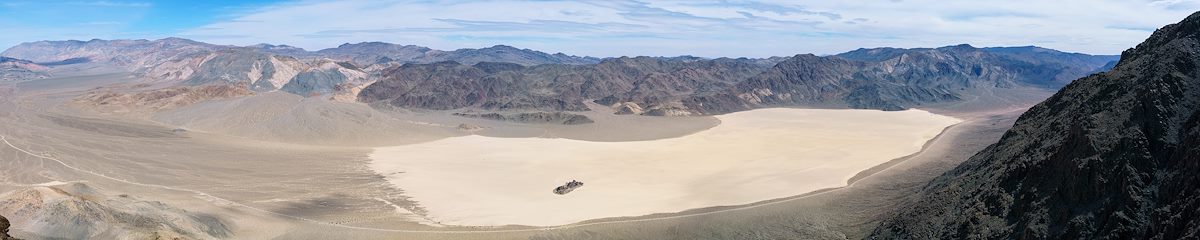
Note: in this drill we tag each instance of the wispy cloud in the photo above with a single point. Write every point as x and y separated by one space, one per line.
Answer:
113 4
717 28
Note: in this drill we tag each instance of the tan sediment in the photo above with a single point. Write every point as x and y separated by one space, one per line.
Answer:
752 156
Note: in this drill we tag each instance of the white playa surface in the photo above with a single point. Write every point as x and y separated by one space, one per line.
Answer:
751 156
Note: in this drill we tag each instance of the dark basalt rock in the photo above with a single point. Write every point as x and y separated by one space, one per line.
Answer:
1114 155
567 188
4 225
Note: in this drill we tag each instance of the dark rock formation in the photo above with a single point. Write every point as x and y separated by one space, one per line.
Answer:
555 87
889 79
1115 155
4 229
534 117
567 188
895 79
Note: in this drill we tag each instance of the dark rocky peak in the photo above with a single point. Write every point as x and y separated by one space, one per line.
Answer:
959 47
1114 155
1165 37
504 48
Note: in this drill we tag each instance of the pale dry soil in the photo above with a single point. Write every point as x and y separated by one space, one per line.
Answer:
267 175
751 156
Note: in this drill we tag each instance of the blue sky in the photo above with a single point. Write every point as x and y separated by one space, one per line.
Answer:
608 28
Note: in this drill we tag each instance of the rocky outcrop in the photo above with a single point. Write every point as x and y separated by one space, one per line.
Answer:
567 188
533 118
79 211
1115 155
4 224
109 100
629 108
12 69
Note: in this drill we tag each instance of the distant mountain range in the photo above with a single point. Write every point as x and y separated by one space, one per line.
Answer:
505 78
1114 155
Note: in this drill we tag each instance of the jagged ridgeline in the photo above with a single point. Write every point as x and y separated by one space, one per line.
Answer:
1114 155
890 79
508 78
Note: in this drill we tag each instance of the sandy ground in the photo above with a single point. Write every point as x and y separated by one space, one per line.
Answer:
263 189
751 156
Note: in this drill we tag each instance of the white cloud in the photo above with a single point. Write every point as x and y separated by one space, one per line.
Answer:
726 28
114 4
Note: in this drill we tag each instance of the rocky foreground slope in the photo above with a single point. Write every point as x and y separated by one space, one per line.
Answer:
1115 155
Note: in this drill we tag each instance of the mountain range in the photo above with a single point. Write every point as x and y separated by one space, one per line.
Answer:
1111 156
503 78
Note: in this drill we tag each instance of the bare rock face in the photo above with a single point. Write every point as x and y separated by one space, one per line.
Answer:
1115 155
4 229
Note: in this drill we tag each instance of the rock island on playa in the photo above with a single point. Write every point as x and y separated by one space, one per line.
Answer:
751 156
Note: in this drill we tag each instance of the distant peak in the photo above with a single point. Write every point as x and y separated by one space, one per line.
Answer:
960 46
363 44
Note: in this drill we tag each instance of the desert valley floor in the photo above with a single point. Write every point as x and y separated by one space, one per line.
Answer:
751 156
404 180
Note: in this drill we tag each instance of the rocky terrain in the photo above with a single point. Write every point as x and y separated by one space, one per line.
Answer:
12 69
182 62
368 53
533 117
1110 156
507 78
505 86
109 100
894 79
78 211
4 229
888 78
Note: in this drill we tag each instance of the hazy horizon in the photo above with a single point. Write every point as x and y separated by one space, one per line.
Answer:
607 29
